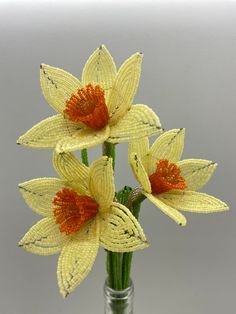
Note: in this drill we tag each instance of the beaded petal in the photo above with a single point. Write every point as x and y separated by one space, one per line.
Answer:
100 69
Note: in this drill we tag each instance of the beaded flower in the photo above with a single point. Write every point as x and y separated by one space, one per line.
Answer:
79 217
97 109
171 183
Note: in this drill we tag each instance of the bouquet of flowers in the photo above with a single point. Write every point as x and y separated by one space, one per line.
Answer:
81 209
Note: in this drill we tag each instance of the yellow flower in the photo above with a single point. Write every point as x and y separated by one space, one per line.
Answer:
95 110
169 183
80 214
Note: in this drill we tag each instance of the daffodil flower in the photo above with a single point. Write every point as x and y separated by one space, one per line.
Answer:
80 214
170 183
97 109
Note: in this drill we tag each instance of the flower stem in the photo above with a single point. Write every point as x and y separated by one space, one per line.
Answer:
127 259
122 197
134 206
84 156
109 268
119 264
108 149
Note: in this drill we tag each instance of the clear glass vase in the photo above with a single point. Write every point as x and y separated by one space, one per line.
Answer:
118 301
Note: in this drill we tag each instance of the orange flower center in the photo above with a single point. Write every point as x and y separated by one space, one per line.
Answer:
88 106
166 177
73 210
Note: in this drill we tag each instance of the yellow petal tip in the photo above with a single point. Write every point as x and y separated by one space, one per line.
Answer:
182 223
139 55
102 46
22 141
21 186
64 294
21 243
147 244
42 65
226 207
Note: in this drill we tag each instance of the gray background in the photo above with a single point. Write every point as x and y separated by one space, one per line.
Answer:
188 78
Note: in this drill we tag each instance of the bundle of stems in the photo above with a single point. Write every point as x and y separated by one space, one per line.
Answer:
118 265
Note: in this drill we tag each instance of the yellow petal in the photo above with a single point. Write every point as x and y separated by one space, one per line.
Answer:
83 139
101 182
169 146
120 231
124 87
48 132
44 238
139 146
77 257
196 172
140 172
139 121
39 194
100 69
192 201
72 170
167 208
57 86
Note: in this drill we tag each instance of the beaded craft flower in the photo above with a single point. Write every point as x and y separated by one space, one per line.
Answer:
81 210
79 217
169 183
95 110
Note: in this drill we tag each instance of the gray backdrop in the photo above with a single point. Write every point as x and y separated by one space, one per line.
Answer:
188 78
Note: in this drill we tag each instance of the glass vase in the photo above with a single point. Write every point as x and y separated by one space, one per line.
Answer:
118 301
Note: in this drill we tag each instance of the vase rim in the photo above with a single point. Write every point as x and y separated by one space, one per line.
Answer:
121 294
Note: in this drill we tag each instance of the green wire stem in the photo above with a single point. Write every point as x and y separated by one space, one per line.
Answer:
84 156
108 149
119 264
127 257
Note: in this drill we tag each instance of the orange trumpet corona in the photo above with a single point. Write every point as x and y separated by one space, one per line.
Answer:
88 106
167 177
73 210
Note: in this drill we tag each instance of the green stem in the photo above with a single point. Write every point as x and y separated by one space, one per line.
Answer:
119 258
127 257
108 149
84 156
119 264
109 268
